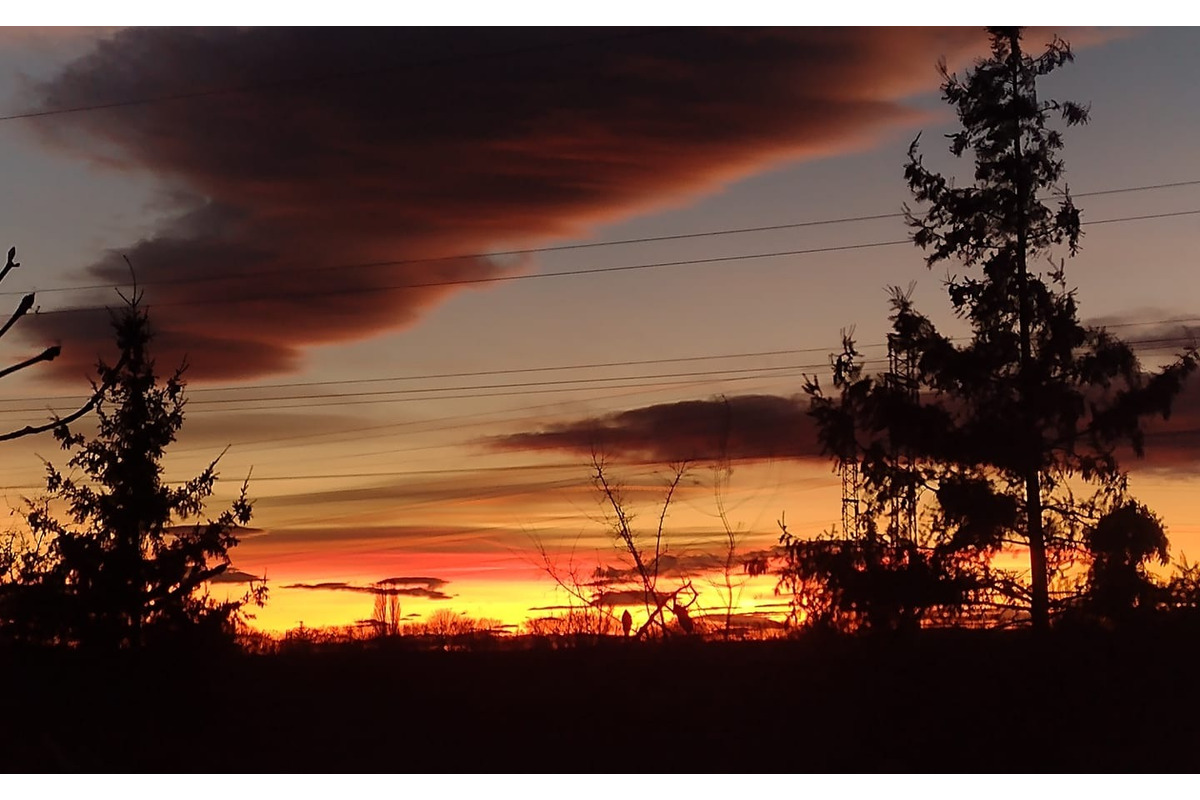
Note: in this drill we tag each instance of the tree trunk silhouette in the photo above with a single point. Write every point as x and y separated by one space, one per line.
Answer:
1039 579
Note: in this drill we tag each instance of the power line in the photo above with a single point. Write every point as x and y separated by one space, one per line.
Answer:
489 418
416 473
473 470
476 373
495 278
207 278
608 364
399 262
523 467
504 491
1148 187
408 428
407 473
362 475
519 385
560 274
435 472
759 371
1143 216
526 384
484 418
524 389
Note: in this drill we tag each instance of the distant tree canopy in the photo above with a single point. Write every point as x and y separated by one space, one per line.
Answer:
1010 438
129 564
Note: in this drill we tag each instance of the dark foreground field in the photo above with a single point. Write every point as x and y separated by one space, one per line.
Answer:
946 702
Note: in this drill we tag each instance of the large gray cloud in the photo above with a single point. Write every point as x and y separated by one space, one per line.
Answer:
369 146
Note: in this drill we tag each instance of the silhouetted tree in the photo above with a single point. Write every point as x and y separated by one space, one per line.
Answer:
1004 429
386 615
879 581
647 563
587 616
1120 545
576 624
445 628
1182 591
651 576
734 572
130 563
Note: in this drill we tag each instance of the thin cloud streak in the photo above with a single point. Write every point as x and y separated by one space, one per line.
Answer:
428 588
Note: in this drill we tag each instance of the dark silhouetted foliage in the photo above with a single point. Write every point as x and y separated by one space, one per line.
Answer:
1002 432
875 581
643 582
1182 591
128 564
1121 544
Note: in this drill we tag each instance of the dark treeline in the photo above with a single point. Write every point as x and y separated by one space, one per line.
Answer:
942 702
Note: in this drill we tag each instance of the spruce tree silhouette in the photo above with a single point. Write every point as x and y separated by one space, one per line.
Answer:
122 572
1003 431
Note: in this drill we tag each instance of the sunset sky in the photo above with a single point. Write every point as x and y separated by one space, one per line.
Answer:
409 272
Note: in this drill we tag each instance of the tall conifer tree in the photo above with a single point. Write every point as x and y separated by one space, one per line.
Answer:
1006 428
130 564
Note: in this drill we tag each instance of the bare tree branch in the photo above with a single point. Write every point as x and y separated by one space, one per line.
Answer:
22 309
30 430
11 265
49 354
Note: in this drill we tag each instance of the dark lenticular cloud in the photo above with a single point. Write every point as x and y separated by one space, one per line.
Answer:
761 427
429 588
744 427
232 575
384 144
